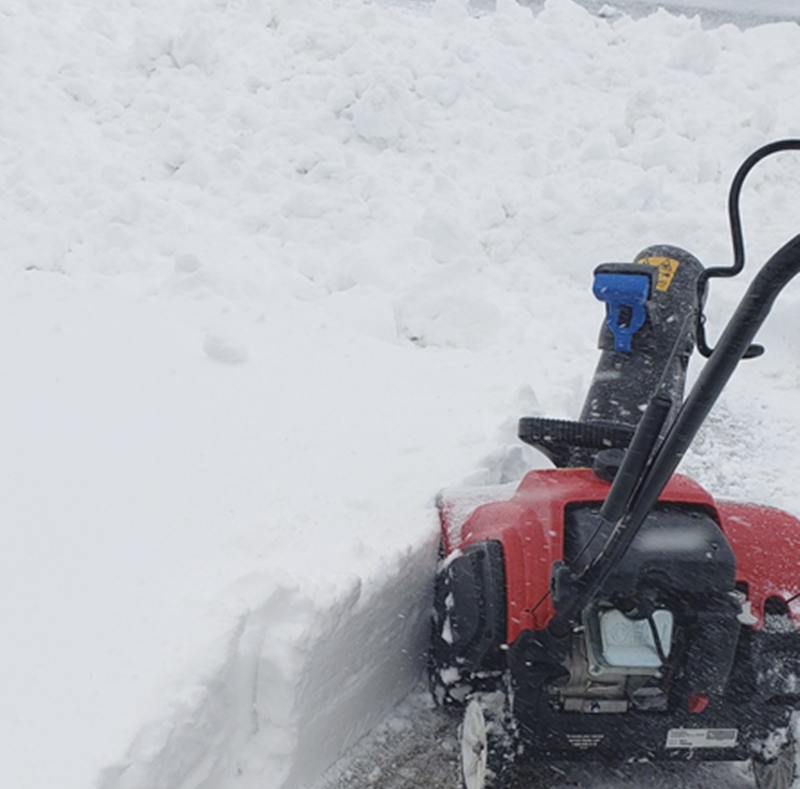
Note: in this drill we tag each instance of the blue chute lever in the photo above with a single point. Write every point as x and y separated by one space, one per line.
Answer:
625 296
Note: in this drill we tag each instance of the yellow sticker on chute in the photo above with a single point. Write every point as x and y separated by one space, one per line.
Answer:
666 271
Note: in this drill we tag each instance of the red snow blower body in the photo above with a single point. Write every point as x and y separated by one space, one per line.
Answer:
610 608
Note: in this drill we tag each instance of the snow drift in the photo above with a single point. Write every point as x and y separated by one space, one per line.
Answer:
273 273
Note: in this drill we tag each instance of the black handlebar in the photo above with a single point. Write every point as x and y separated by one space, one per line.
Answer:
737 237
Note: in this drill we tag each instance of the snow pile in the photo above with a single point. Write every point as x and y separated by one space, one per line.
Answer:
274 272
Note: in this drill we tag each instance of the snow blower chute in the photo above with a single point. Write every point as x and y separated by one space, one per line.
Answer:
612 609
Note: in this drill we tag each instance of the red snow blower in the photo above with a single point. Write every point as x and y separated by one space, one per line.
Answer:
612 609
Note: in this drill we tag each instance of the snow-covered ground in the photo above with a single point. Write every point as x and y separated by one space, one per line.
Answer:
275 271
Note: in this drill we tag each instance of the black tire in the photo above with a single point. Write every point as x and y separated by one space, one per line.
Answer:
776 767
487 742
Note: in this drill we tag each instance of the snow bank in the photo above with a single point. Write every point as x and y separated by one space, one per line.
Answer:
274 272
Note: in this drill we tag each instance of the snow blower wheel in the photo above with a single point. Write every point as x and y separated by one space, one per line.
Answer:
624 612
486 742
776 766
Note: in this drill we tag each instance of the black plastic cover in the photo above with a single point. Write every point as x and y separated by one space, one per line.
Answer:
680 549
477 584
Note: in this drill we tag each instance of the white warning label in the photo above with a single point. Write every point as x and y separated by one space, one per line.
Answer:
585 741
702 738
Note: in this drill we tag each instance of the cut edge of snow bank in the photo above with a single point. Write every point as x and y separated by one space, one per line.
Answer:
291 685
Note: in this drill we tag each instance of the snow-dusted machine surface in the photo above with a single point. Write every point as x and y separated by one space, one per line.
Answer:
610 608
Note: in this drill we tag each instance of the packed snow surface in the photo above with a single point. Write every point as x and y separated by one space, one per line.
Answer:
274 272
